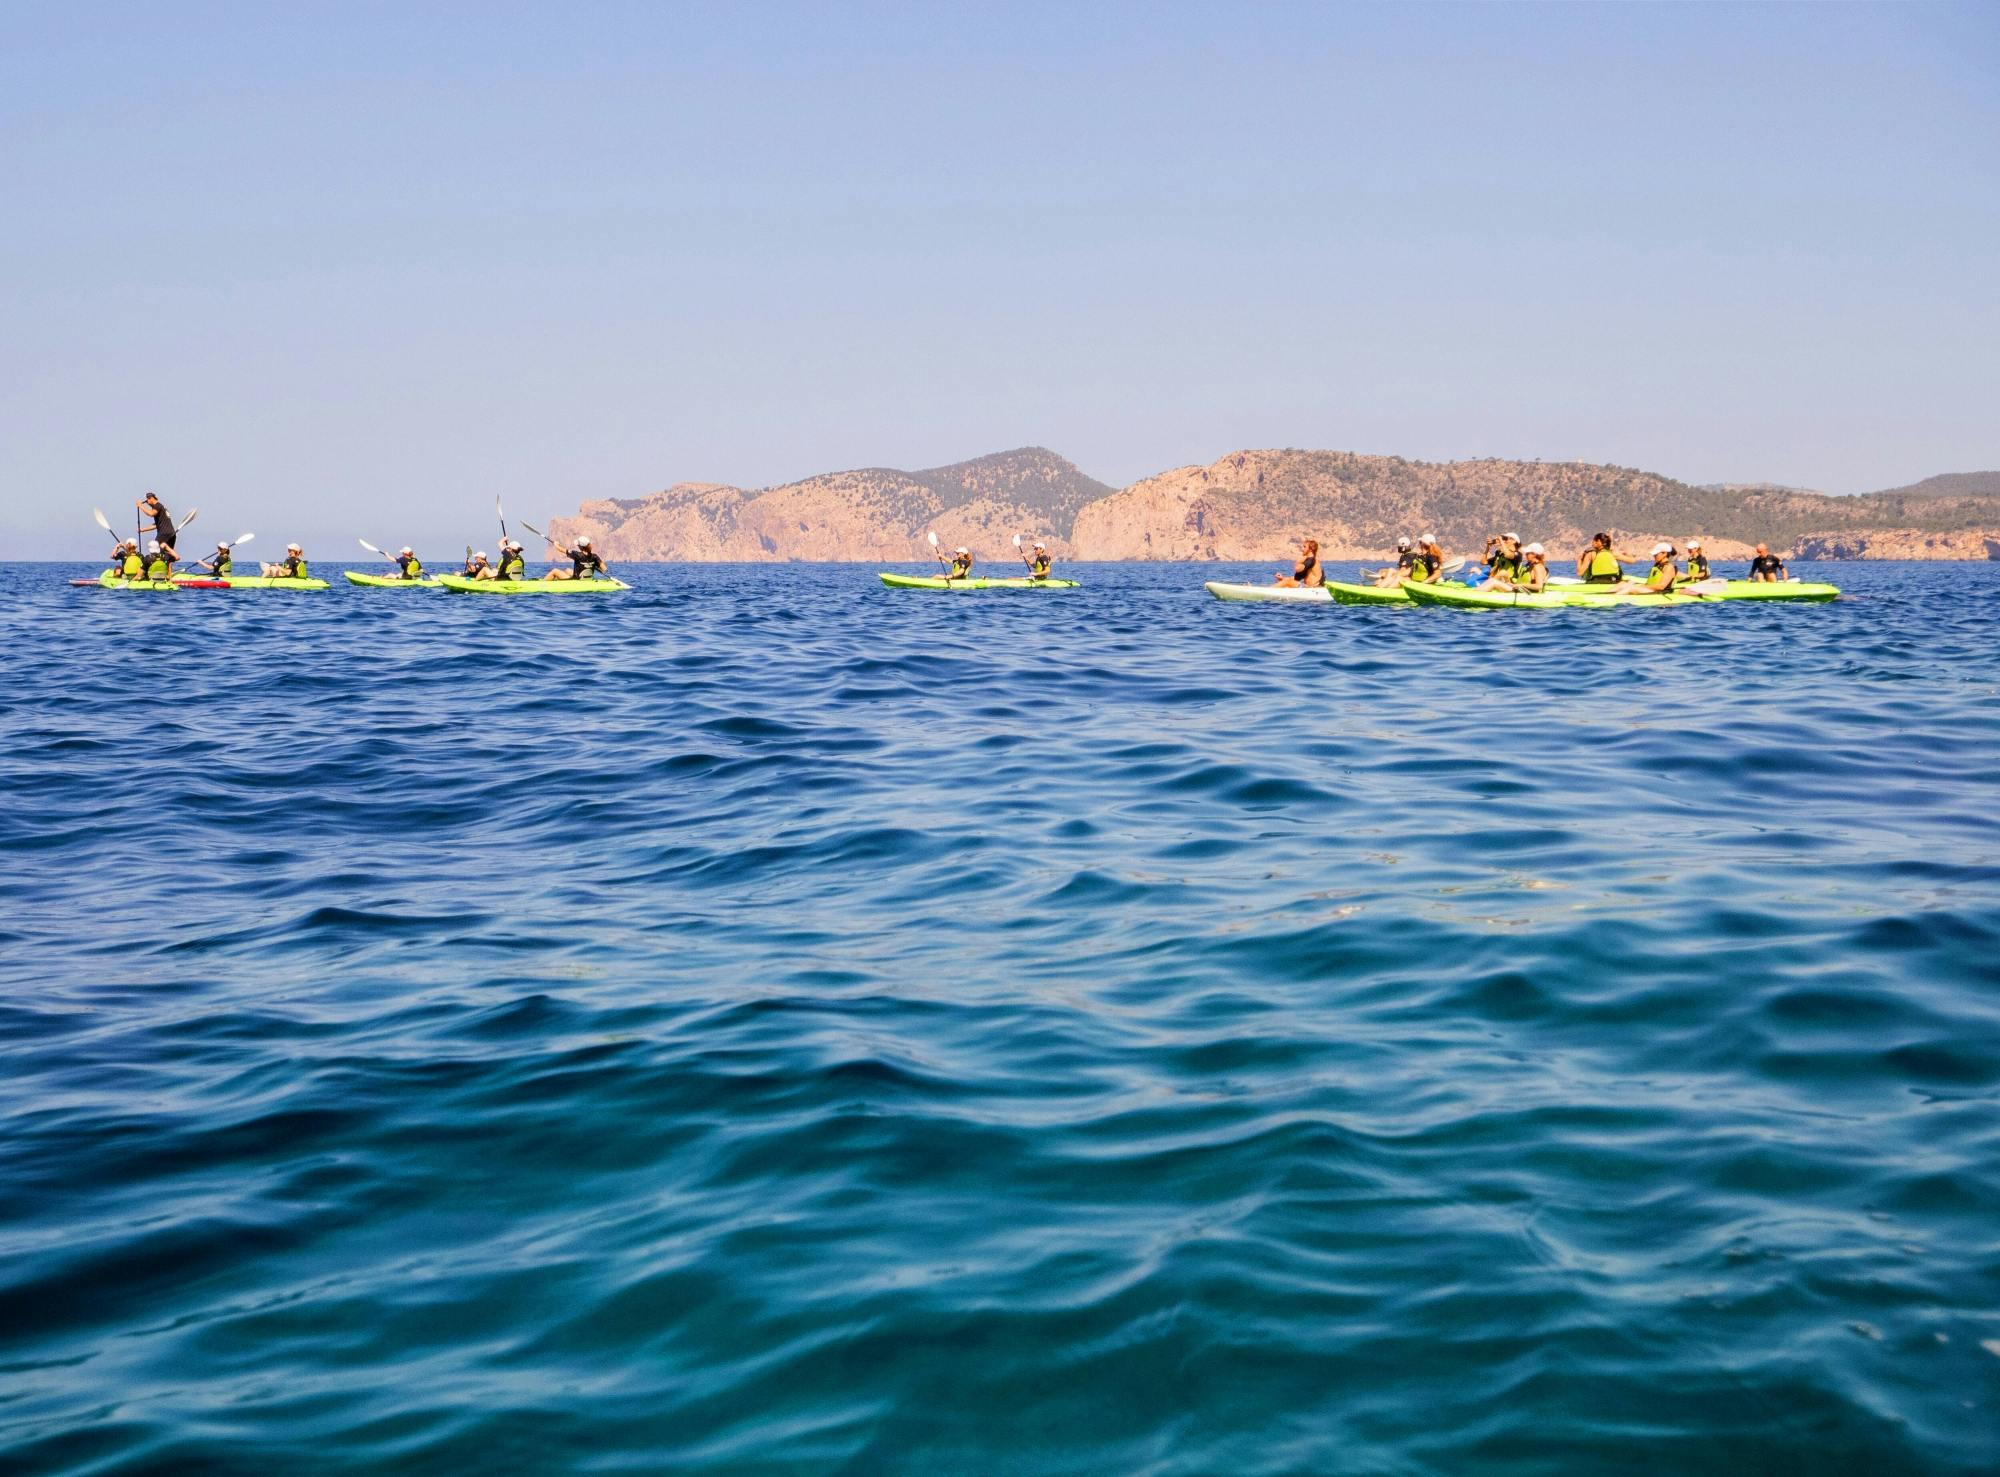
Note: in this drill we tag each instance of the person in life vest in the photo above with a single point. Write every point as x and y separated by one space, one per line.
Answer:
1307 571
1427 567
408 565
513 562
1533 576
1659 580
162 526
1504 562
159 561
1767 568
1040 566
1406 557
1600 564
126 562
221 562
961 563
477 568
292 567
584 561
1697 561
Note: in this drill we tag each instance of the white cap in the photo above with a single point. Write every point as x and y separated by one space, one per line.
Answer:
480 555
406 549
1663 548
1040 545
1426 538
294 548
152 546
961 549
1694 543
1512 538
1403 542
583 541
1534 549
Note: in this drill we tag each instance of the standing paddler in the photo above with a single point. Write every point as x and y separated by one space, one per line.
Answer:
162 526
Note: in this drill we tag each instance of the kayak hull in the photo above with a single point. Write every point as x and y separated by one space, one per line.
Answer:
390 581
248 582
459 584
939 582
1574 597
1345 593
109 581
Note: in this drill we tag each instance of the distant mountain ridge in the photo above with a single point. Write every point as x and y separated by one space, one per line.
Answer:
1257 504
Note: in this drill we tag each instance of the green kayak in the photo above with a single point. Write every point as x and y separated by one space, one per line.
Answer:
251 582
464 586
390 581
110 581
1352 594
939 582
1782 590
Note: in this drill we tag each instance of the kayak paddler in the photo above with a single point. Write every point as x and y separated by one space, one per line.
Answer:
1697 561
292 567
1307 572
159 561
408 565
1533 577
1659 580
125 560
162 526
1040 566
513 564
961 563
1767 568
1599 564
1406 557
584 562
220 562
477 567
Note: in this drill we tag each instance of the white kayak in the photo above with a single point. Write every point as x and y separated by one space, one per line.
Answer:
1306 595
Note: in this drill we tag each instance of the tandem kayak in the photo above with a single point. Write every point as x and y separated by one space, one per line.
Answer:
464 586
390 581
248 582
110 581
939 582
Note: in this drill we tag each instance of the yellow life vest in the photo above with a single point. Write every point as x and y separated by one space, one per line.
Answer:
1604 565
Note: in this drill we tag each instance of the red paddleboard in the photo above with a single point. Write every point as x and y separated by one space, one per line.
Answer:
203 584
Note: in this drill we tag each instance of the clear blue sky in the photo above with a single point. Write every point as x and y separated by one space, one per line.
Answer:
339 269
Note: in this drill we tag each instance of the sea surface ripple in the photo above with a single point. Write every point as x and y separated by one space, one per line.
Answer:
765 1022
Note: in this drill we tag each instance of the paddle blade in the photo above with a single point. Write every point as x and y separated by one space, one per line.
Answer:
243 538
192 512
1705 587
370 547
932 536
1017 541
102 521
1452 566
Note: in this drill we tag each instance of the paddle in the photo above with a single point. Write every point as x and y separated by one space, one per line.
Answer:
503 515
935 554
1026 562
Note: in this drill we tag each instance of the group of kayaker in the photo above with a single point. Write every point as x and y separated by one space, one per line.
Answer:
1513 565
584 563
959 566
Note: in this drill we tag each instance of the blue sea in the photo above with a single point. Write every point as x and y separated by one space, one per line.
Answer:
765 1023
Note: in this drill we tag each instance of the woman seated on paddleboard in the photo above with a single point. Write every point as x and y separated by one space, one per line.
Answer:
221 562
1697 561
292 567
1307 573
961 564
1660 580
584 562
1040 566
1599 564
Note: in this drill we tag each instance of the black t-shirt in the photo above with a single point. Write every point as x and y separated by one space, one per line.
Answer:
409 564
1767 564
163 523
582 562
1407 559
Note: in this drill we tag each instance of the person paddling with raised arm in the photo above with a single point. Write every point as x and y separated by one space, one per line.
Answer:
1040 566
584 562
1767 568
1659 580
513 561
1307 572
961 563
126 560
